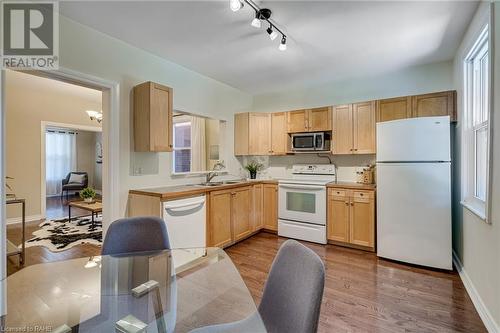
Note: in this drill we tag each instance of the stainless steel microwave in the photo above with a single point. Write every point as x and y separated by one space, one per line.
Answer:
316 141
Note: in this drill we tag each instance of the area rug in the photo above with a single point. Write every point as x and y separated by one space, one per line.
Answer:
62 234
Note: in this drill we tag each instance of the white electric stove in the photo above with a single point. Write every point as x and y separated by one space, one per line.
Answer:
302 202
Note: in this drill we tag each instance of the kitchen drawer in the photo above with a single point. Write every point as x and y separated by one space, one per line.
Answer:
334 192
362 195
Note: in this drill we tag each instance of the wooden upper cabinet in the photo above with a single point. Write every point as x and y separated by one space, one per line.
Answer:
279 135
259 135
342 136
241 133
297 121
393 108
364 128
310 120
426 105
270 206
152 117
435 104
220 215
320 119
240 210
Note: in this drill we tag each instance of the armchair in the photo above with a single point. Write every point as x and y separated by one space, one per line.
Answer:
67 186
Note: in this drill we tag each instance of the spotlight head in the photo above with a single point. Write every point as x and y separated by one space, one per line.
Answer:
235 5
272 34
282 46
256 23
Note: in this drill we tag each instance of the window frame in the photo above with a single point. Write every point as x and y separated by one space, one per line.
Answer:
470 127
174 148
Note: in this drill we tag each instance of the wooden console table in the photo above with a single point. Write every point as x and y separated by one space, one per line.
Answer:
12 249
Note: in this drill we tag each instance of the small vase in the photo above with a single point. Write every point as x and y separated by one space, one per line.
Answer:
253 175
88 200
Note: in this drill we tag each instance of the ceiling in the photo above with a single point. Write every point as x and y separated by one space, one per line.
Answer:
327 40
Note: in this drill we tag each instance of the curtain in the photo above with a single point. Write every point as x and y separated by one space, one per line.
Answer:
198 149
60 158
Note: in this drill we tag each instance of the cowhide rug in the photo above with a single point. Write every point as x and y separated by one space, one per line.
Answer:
59 235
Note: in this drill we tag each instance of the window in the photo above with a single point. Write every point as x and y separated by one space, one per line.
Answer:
475 135
182 147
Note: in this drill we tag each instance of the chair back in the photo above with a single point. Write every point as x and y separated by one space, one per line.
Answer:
85 179
293 292
136 234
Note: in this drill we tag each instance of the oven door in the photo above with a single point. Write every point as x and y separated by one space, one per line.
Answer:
303 203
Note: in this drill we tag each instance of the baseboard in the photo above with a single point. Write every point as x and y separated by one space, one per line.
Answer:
31 218
481 308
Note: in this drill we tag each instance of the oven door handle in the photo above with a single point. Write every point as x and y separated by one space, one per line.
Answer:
302 187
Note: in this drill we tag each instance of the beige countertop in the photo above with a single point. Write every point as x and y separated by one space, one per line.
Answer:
177 191
352 185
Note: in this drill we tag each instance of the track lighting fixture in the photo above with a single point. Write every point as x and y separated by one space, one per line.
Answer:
235 5
282 46
261 14
272 34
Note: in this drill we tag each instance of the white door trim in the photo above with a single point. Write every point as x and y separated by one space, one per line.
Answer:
43 178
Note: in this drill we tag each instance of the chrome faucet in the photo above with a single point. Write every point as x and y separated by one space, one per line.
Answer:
211 174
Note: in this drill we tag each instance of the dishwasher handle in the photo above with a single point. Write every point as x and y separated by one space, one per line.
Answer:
184 207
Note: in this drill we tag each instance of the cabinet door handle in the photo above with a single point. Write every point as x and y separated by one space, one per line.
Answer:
347 203
352 203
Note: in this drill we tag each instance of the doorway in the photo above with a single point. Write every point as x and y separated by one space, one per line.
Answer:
108 135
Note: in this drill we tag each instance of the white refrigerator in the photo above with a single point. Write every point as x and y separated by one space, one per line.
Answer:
414 191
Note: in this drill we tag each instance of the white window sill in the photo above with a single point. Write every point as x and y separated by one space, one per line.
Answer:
475 210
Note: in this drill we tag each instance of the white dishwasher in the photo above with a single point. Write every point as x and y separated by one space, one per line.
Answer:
186 226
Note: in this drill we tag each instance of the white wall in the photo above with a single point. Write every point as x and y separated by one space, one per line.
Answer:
476 243
88 51
409 81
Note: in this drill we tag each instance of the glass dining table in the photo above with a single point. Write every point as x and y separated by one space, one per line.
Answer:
168 291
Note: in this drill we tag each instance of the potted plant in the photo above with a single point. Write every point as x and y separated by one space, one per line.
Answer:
253 167
88 195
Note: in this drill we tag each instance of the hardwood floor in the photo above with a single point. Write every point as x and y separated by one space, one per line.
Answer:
40 254
366 294
362 293
58 208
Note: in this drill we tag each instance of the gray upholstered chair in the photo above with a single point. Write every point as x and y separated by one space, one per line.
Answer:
292 295
67 186
136 234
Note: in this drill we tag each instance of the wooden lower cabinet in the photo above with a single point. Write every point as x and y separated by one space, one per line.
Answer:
230 216
241 212
219 228
351 217
270 206
338 216
257 202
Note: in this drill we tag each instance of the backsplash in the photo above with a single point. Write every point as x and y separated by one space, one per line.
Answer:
281 166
